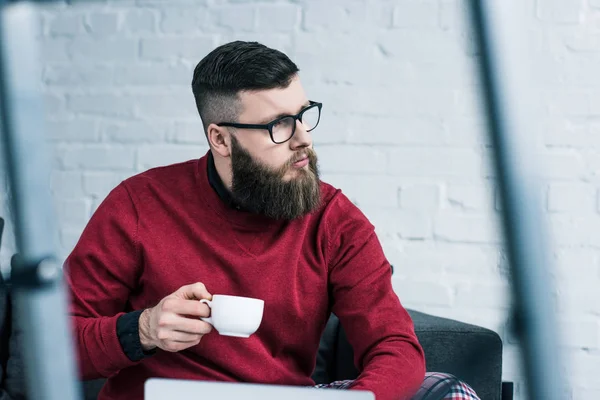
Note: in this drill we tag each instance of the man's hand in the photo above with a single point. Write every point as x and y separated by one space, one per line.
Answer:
174 324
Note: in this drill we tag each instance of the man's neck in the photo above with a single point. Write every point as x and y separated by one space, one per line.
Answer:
217 183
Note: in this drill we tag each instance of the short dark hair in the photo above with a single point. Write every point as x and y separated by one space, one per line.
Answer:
232 68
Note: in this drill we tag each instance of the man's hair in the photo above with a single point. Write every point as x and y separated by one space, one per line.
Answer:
232 68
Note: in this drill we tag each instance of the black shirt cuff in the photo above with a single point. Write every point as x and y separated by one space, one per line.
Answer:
129 336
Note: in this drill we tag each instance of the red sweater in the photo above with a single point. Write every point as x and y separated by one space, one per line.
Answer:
167 227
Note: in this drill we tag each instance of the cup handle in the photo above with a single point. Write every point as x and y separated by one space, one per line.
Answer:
209 304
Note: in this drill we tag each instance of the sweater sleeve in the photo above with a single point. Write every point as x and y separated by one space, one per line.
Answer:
380 330
100 273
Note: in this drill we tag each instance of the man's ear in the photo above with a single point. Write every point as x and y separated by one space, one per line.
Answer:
219 139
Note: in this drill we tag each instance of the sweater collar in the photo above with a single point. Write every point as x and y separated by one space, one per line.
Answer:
217 183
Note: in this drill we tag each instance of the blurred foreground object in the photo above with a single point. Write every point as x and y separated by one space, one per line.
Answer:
506 102
36 280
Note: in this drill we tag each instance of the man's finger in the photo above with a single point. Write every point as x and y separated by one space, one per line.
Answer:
186 307
184 337
196 291
191 325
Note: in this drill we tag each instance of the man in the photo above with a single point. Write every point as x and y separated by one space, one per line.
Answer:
251 218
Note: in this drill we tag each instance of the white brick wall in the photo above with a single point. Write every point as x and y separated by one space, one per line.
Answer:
401 133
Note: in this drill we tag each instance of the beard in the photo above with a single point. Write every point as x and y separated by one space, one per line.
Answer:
260 189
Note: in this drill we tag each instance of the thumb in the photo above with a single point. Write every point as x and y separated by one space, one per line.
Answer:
195 291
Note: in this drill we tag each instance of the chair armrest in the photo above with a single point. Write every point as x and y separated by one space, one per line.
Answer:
470 352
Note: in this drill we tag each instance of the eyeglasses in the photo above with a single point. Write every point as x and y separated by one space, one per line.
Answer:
283 128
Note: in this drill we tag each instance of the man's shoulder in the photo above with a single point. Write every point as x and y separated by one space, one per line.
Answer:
170 176
334 201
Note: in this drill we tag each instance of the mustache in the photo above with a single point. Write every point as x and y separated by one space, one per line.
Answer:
306 153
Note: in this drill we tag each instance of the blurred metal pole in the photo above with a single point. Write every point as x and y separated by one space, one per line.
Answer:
37 286
505 87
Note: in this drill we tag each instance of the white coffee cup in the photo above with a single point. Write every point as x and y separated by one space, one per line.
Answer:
234 315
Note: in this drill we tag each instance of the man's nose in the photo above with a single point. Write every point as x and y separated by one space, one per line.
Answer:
301 137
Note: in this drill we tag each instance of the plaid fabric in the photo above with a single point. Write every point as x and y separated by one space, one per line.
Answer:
435 386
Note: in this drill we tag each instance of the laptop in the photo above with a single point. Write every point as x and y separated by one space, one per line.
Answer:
169 389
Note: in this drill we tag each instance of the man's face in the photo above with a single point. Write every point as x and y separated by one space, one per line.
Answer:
266 177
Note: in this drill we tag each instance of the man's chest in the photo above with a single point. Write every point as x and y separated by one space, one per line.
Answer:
287 271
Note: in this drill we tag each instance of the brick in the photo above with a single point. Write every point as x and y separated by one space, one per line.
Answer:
121 50
435 162
575 264
96 157
153 75
172 2
572 197
560 11
80 130
54 105
458 261
416 14
349 159
567 102
561 165
452 15
483 296
66 24
111 105
279 41
579 332
99 184
187 132
416 260
409 225
140 21
172 48
469 260
311 43
583 368
427 293
468 131
566 132
470 197
102 23
586 392
466 228
150 156
240 17
578 298
183 20
455 73
168 105
366 190
580 72
135 132
332 129
54 50
418 44
340 16
378 14
278 18
72 211
69 238
569 230
419 197
406 131
66 184
67 75
582 41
